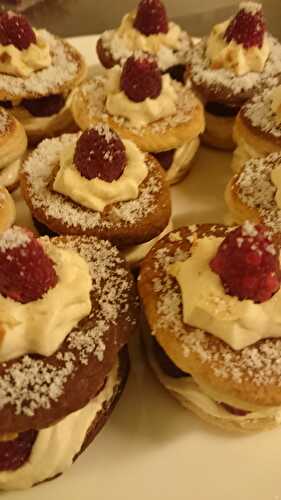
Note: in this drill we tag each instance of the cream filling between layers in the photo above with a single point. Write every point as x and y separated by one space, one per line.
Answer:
24 62
126 40
44 123
42 325
234 56
239 323
142 113
56 446
182 159
96 193
136 253
188 391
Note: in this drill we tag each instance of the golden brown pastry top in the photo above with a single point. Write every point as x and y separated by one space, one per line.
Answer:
66 70
124 223
49 388
223 86
252 375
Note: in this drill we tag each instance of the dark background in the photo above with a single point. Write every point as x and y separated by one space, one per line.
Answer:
81 17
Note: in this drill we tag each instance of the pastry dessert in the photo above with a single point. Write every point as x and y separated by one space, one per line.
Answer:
230 66
13 143
97 184
7 209
210 296
160 115
37 73
257 128
68 307
147 29
254 192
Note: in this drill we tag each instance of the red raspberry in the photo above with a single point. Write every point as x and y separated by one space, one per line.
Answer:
15 453
16 30
104 55
248 263
26 272
165 158
44 106
151 18
101 154
248 26
141 78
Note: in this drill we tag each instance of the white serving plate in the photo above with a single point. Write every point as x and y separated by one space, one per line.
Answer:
151 448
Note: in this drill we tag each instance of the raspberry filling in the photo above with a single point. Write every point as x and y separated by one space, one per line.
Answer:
151 18
219 109
44 106
234 411
26 271
165 158
100 154
166 364
15 453
247 263
16 30
141 78
247 27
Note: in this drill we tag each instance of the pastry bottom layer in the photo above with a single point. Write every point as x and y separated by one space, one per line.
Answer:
56 447
190 395
218 132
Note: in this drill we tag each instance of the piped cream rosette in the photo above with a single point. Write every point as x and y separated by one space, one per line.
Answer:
42 325
96 194
172 120
170 48
13 144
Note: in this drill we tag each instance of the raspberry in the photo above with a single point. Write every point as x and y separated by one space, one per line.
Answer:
141 78
151 17
248 263
248 26
104 55
101 154
165 158
16 30
15 453
44 106
26 272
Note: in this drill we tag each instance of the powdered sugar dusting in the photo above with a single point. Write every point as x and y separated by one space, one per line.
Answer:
30 384
13 238
61 72
259 364
226 81
256 190
166 56
250 7
94 95
39 169
260 114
